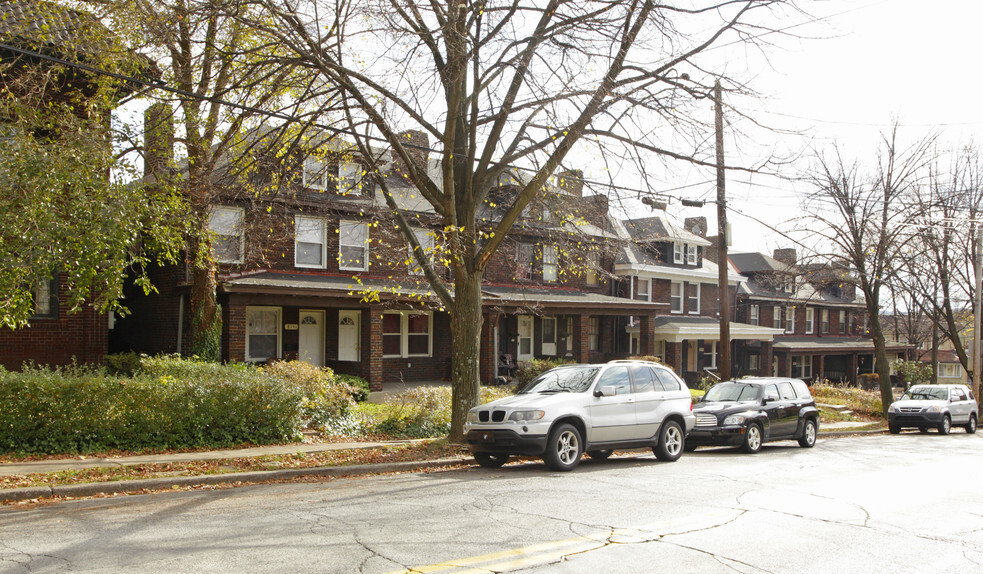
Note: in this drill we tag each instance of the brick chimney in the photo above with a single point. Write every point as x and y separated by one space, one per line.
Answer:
417 146
158 135
571 182
696 226
786 256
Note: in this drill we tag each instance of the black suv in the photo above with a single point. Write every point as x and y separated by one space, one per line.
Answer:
752 411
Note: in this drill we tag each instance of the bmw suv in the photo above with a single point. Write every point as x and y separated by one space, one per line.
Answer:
595 409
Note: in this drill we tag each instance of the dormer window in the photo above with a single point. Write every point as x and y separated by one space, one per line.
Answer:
677 253
326 174
788 285
690 254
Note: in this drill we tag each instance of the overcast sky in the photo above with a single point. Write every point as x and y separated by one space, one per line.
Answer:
869 62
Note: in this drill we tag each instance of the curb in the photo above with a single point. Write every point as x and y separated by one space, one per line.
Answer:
129 486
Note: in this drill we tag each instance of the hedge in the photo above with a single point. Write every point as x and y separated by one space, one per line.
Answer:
168 403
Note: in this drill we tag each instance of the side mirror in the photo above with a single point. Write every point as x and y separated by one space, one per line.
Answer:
606 391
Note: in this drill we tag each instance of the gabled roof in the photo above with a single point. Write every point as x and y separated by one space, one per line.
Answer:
47 25
756 263
652 229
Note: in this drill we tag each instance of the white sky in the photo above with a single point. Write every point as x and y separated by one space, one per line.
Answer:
870 62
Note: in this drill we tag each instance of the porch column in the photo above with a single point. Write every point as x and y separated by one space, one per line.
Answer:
822 367
674 357
233 331
488 363
851 369
580 343
372 340
646 335
767 353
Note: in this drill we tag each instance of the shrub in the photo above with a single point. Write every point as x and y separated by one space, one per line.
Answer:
913 372
169 403
360 387
529 370
325 396
866 403
869 381
123 364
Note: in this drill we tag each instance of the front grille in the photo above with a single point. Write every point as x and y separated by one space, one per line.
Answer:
498 416
910 409
705 420
483 416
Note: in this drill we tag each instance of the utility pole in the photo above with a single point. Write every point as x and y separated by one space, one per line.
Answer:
722 264
978 308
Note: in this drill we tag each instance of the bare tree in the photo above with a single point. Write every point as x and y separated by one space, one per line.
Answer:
865 220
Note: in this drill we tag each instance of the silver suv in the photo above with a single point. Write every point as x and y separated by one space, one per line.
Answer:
585 408
934 406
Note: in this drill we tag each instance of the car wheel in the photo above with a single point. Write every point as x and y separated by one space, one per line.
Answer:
895 429
563 449
752 439
671 442
971 425
946 425
808 438
489 460
600 454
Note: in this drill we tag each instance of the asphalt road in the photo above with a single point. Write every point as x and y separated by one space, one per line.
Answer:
908 503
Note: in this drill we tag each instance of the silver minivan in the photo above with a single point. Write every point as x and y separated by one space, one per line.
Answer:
595 409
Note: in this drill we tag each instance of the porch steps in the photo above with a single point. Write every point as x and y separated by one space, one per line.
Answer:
842 409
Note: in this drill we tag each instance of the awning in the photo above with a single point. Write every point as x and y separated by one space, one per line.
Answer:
676 329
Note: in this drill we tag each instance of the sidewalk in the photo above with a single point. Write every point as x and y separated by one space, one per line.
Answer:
827 430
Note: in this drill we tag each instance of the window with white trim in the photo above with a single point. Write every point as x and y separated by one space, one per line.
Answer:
262 333
690 254
407 334
710 349
46 299
594 328
949 371
643 289
676 297
802 366
776 317
753 312
225 224
824 321
843 328
310 245
425 238
315 174
353 245
549 263
549 333
693 298
753 362
788 285
593 262
677 252
810 318
349 178
790 319
523 261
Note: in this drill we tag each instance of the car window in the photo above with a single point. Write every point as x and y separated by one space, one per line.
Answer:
771 392
801 389
668 380
786 390
958 394
925 394
643 379
616 377
562 380
725 392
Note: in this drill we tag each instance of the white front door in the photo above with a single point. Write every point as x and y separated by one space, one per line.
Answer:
525 338
348 335
549 336
311 334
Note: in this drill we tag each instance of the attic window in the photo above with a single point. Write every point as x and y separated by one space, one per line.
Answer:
690 254
677 252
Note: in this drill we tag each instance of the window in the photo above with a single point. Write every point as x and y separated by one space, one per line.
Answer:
349 178
523 261
616 377
788 393
46 299
710 350
753 362
776 317
676 297
323 174
315 173
753 312
790 319
802 366
309 247
843 328
690 254
262 333
548 340
549 263
788 285
406 334
693 298
225 223
948 371
353 246
677 252
643 379
593 263
810 316
594 329
425 238
643 291
824 321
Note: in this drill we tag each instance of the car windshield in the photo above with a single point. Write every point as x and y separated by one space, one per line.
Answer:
730 392
926 394
563 380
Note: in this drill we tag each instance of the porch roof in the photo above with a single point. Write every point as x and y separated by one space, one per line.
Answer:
833 345
281 283
517 297
676 329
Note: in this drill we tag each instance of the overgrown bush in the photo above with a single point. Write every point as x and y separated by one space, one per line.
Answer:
869 381
914 372
169 403
529 370
123 364
861 402
325 395
424 412
360 387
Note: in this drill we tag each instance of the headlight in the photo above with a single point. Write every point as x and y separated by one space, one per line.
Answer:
734 420
892 408
519 416
472 417
932 409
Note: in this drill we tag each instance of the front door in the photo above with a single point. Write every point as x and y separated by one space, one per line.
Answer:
311 334
549 336
525 338
348 335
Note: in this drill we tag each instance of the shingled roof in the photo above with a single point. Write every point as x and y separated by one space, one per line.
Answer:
52 28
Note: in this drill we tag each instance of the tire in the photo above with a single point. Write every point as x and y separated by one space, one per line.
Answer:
895 429
808 438
752 439
600 454
489 460
971 425
672 441
563 448
946 425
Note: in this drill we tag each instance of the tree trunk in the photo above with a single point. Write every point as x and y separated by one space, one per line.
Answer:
206 322
466 321
881 365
